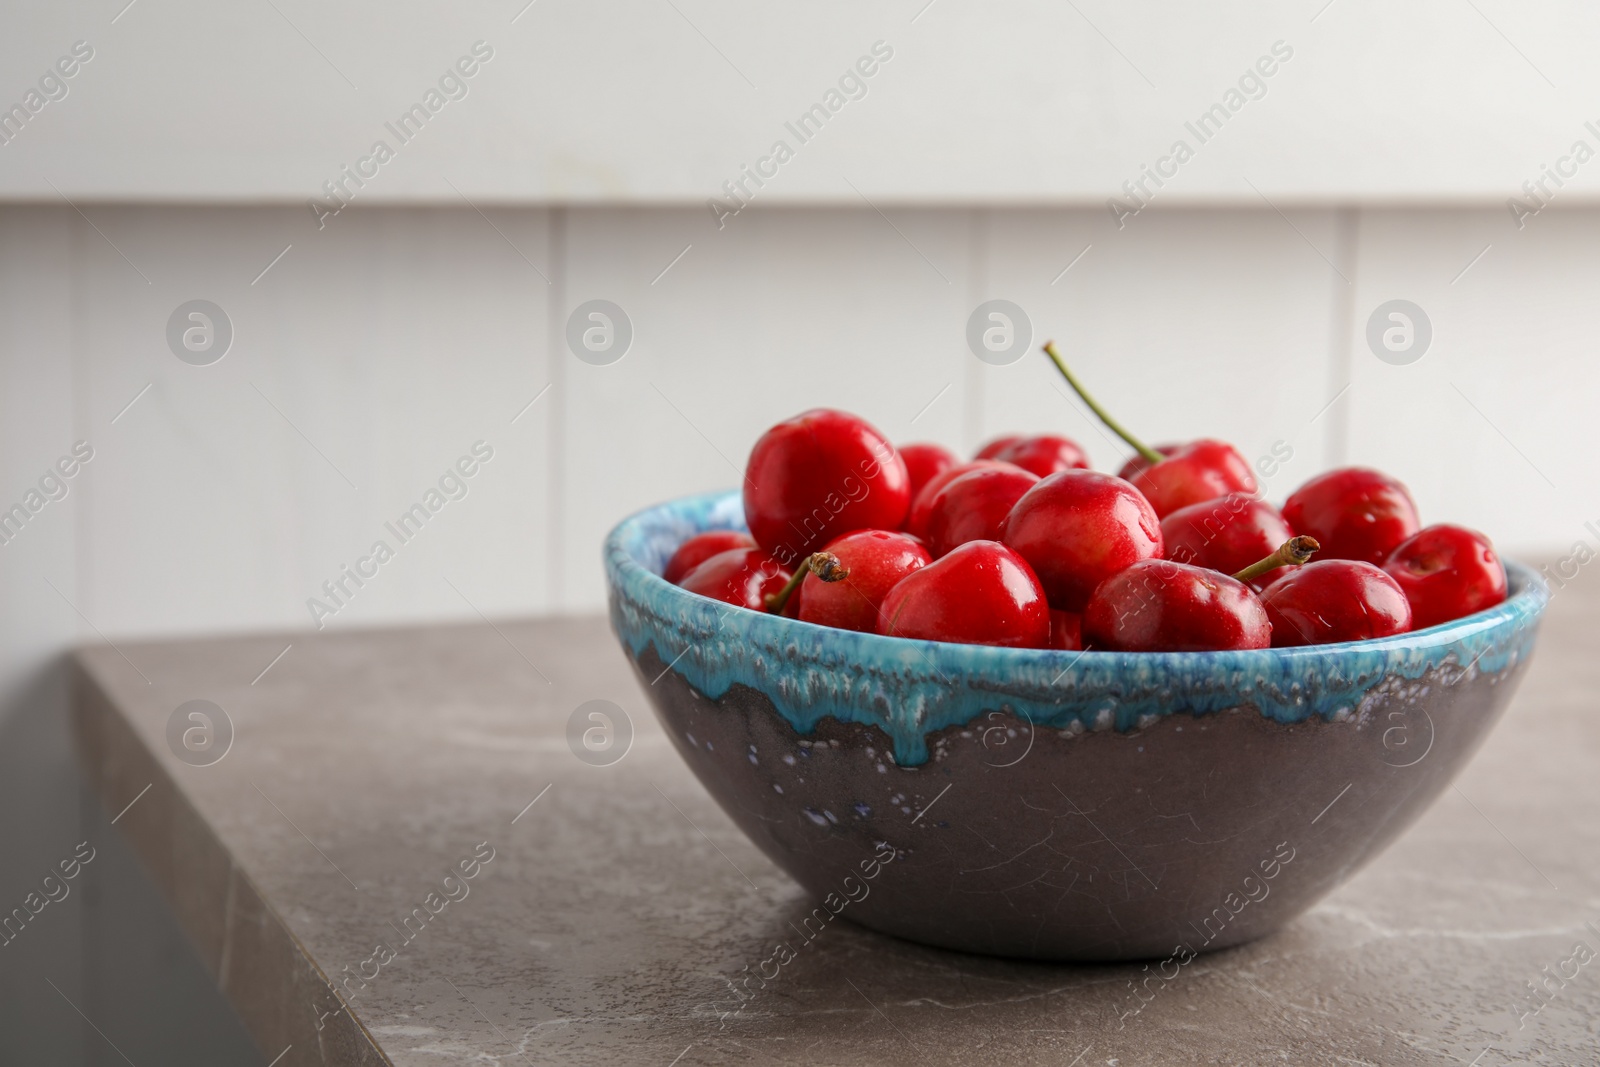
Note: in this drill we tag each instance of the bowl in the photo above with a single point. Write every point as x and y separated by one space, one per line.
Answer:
1056 805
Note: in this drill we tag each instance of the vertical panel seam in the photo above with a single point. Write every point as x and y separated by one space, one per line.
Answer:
555 539
978 223
1341 369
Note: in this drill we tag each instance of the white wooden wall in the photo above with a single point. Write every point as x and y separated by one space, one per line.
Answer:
374 353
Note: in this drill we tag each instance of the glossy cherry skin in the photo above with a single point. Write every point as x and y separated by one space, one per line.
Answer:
1137 463
1195 472
1446 572
996 446
972 507
876 560
1226 534
1066 631
742 576
981 593
1078 528
819 476
1044 455
917 518
1160 606
1354 513
702 547
1332 600
924 462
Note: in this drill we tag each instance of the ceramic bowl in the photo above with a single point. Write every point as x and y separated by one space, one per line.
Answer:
1056 805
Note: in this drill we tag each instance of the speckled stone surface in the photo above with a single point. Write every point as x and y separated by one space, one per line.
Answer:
618 908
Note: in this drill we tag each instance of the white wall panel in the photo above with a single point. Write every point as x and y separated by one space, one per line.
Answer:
365 363
1487 426
642 101
391 341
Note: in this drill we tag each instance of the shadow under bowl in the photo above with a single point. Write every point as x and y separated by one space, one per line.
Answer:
1056 805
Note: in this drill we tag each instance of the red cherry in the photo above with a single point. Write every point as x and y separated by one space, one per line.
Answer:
702 547
1446 572
1066 631
1335 600
818 476
1226 534
1137 463
995 447
981 593
1160 606
1196 472
916 522
1078 528
1356 513
972 506
924 461
742 576
1044 455
876 560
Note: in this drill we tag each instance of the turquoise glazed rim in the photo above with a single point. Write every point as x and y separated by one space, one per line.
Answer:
911 689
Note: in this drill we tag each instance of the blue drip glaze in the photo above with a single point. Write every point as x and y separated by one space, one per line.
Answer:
911 689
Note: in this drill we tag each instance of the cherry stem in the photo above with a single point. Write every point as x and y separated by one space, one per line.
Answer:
1292 553
1083 394
825 565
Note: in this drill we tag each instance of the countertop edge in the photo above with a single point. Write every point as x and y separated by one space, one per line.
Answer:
242 943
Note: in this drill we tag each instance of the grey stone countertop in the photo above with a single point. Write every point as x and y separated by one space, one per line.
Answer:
368 771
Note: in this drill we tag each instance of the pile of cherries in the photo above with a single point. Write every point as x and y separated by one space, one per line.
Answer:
1026 547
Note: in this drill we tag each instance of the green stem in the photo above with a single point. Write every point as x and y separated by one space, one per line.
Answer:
1083 394
825 565
1292 553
